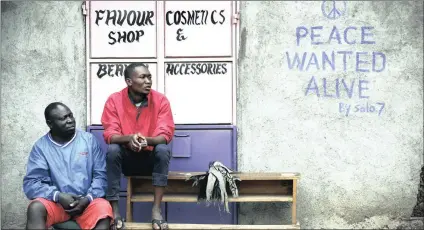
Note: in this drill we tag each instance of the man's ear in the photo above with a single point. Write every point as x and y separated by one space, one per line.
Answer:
49 123
128 81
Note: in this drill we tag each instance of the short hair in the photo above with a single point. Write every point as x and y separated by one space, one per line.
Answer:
50 108
130 68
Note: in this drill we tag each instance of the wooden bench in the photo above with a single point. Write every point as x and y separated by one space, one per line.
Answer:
253 187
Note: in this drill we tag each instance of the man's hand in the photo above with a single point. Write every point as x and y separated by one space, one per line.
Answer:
142 141
81 204
134 143
137 142
66 200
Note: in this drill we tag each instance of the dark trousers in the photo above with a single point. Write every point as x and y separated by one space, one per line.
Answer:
146 163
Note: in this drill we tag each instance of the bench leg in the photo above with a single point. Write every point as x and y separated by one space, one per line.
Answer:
129 203
294 222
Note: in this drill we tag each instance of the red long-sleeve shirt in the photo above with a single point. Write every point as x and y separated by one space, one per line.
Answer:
120 116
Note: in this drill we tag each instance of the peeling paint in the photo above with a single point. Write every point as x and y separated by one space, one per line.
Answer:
351 178
42 42
357 172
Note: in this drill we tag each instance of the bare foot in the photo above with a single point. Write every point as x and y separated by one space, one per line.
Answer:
157 215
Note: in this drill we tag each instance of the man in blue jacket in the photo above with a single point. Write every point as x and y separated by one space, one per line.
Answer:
66 176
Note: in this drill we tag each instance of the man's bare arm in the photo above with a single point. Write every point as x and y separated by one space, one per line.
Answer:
153 141
121 139
132 141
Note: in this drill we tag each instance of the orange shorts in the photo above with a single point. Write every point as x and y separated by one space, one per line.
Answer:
97 209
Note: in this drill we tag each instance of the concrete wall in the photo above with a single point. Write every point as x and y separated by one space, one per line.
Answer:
357 171
360 170
42 60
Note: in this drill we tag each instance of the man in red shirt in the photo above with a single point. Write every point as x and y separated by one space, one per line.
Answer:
138 125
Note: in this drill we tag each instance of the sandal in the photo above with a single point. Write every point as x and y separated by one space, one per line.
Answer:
159 223
118 223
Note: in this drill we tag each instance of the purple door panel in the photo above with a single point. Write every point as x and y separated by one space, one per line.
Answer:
181 145
192 150
193 147
193 213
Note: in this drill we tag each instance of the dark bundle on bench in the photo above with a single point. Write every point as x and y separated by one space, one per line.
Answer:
216 184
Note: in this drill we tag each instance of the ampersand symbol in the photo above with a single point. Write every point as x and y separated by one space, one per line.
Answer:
180 36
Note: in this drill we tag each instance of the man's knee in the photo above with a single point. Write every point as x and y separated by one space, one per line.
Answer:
162 153
113 153
36 208
101 203
101 207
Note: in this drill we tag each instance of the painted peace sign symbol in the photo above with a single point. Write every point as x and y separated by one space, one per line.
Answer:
333 9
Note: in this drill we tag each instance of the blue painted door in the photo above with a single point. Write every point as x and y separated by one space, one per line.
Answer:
193 147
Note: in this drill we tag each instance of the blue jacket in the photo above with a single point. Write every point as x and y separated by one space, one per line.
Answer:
77 167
